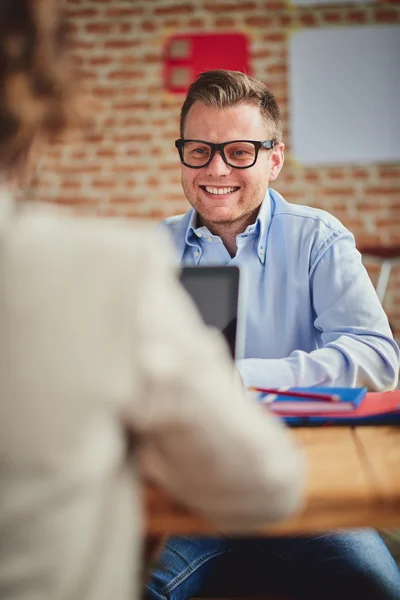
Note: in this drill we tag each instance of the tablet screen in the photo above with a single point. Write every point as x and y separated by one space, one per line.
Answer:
215 291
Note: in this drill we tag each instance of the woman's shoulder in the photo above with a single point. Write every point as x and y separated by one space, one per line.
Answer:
41 235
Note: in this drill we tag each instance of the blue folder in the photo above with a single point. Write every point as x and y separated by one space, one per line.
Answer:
353 395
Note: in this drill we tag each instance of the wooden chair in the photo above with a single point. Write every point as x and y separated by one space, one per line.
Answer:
388 256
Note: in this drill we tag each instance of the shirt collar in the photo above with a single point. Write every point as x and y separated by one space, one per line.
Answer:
190 237
261 226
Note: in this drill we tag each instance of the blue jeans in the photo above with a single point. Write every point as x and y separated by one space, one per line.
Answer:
330 566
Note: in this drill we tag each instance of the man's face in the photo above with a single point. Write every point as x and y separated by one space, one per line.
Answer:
243 189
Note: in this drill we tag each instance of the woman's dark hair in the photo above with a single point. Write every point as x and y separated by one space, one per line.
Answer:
37 91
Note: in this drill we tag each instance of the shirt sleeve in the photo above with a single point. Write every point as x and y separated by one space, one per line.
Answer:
358 346
199 435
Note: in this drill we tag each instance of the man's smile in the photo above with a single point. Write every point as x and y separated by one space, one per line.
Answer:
219 191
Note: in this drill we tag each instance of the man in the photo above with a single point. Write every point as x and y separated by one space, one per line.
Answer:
313 318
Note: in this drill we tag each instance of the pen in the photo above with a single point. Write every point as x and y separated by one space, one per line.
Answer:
305 395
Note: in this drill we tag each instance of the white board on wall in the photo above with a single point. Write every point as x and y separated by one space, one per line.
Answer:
344 90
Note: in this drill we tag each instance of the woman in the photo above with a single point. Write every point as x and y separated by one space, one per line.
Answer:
106 372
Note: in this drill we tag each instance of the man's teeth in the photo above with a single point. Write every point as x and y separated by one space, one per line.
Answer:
227 190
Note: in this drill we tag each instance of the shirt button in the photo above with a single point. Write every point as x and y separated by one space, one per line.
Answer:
262 251
199 234
196 253
209 239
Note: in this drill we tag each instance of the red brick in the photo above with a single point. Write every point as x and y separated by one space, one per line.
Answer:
174 9
72 200
338 206
332 17
153 182
389 172
353 224
262 54
118 44
274 37
103 184
82 45
77 61
338 191
277 69
95 138
312 176
308 19
132 122
81 13
259 21
70 185
106 153
131 183
275 4
287 20
79 154
336 174
128 59
224 23
122 169
123 201
383 191
133 152
126 91
359 173
126 11
384 222
172 23
148 26
103 92
357 16
197 23
72 28
98 28
231 7
132 137
131 105
152 59
87 75
124 75
386 15
124 27
78 169
155 89
100 61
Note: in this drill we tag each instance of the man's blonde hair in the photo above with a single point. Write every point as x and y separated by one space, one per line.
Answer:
221 89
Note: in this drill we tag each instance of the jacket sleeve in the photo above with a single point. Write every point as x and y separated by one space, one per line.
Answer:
199 435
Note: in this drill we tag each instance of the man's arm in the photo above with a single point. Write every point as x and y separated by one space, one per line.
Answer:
359 349
199 436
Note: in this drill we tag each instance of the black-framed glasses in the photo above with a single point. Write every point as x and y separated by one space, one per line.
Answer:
239 154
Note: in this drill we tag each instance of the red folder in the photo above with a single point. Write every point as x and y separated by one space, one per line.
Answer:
374 406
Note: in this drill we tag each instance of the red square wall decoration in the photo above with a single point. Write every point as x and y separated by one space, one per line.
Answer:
185 56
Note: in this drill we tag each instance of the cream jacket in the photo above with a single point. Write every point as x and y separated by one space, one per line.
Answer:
107 374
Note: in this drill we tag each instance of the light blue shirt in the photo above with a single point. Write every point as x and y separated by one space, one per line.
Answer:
312 314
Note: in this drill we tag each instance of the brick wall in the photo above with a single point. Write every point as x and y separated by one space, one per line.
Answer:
129 166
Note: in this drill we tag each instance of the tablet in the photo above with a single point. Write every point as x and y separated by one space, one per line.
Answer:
216 293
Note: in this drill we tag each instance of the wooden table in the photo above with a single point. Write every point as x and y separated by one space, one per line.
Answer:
353 481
